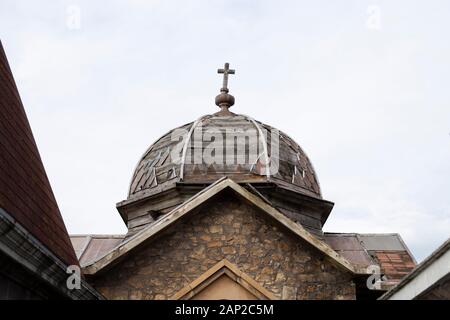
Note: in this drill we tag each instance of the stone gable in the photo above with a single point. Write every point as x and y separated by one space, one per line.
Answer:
226 228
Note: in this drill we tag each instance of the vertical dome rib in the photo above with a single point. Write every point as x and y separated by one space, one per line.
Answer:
258 127
186 144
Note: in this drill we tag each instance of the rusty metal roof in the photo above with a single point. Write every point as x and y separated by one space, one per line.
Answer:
349 246
382 241
91 247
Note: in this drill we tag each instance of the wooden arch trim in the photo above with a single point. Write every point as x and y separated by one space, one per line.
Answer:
219 269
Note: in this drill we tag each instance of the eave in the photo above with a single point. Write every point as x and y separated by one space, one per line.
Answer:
23 248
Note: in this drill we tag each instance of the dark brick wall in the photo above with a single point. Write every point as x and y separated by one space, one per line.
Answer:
226 228
25 191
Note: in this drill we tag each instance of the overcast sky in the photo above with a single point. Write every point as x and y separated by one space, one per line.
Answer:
362 86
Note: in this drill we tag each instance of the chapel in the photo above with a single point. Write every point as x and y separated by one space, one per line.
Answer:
228 207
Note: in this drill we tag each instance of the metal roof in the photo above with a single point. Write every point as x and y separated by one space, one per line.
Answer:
90 247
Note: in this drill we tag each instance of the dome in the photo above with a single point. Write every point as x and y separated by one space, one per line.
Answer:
224 144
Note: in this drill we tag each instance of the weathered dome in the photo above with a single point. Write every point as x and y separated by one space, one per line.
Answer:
224 144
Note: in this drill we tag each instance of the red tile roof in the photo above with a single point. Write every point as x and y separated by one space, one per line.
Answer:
395 264
25 191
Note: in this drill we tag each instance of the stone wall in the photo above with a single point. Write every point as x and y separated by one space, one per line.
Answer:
226 228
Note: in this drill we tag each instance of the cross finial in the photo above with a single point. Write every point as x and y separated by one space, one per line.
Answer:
226 71
225 100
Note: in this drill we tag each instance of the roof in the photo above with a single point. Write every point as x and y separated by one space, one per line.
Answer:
28 262
219 145
385 250
363 250
152 230
90 247
430 279
25 191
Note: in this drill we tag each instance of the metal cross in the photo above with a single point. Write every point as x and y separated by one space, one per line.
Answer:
226 71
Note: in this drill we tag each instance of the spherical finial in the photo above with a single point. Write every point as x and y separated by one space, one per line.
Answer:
224 100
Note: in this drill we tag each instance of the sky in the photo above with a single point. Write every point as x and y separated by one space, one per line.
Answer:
362 86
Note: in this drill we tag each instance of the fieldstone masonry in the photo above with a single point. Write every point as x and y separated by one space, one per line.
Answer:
226 228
